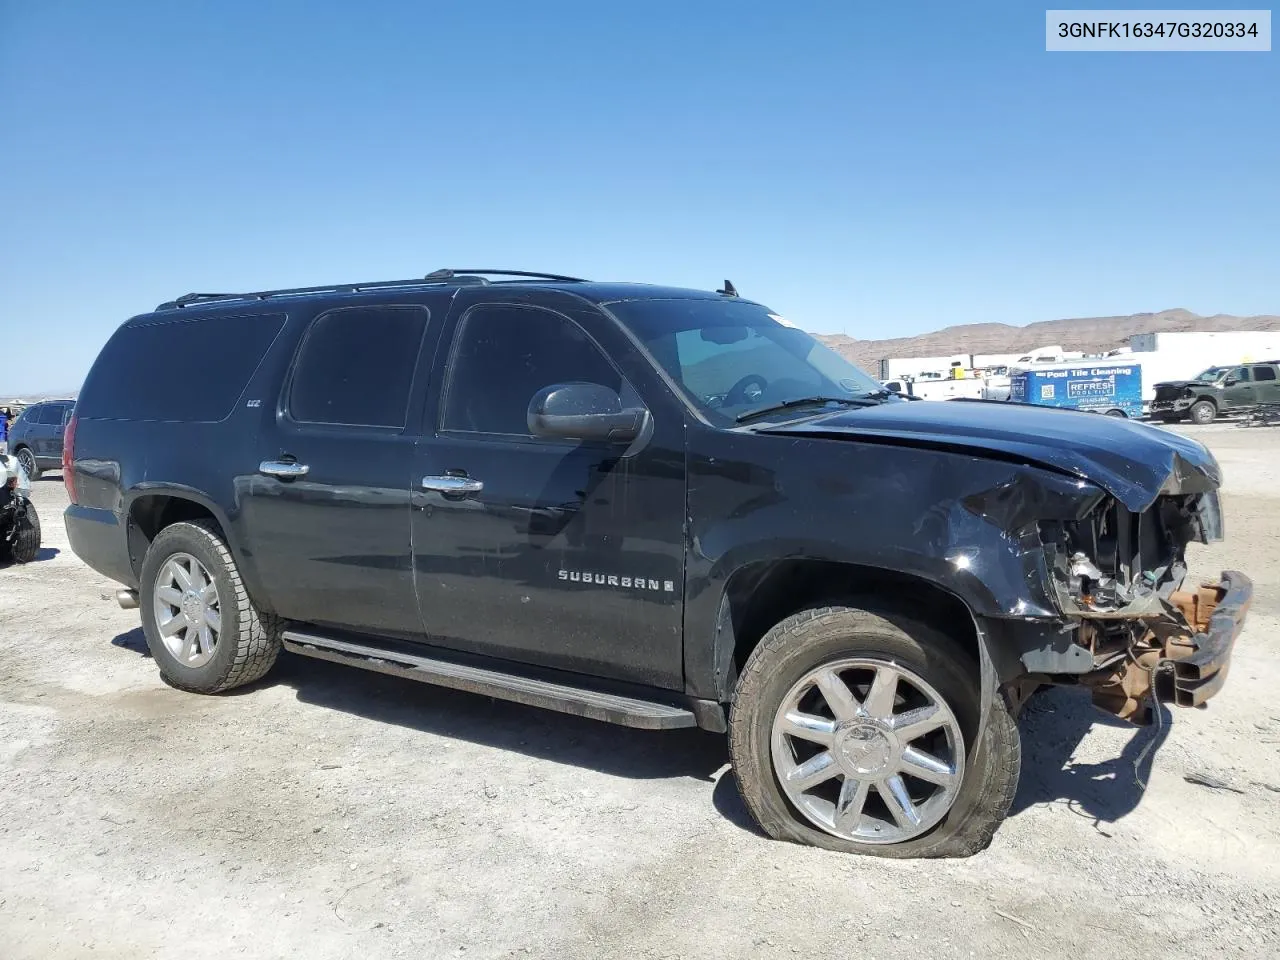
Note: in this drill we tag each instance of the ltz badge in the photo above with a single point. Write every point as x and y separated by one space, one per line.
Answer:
614 580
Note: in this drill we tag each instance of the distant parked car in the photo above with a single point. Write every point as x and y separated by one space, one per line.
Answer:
35 438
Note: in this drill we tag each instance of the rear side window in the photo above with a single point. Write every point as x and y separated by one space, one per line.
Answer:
355 367
45 414
1264 373
192 371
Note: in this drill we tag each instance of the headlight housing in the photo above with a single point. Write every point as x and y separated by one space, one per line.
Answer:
1116 563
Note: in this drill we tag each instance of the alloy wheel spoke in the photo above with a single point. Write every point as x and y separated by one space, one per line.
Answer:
808 727
180 575
894 794
206 639
189 643
843 704
918 722
175 623
853 797
198 582
213 620
917 763
171 596
883 692
817 769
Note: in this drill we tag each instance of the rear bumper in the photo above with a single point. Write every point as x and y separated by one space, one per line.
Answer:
98 537
1217 612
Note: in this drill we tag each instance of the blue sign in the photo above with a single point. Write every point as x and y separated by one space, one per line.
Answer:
1094 388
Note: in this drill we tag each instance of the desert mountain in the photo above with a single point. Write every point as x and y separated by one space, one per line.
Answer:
1088 334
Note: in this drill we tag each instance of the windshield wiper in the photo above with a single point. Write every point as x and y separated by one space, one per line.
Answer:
804 402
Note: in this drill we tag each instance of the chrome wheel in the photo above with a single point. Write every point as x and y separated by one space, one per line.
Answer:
187 609
868 751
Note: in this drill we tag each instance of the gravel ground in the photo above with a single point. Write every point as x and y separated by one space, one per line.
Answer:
331 813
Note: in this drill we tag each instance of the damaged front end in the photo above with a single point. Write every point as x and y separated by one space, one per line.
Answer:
1120 575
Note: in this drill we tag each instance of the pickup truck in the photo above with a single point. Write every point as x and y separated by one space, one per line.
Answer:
650 506
1216 391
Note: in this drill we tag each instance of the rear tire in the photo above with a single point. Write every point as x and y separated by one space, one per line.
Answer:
927 660
1203 411
29 464
247 640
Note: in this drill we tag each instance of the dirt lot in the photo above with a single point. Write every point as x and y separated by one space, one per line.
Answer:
331 813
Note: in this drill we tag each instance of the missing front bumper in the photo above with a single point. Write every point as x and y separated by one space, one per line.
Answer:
1187 663
1217 612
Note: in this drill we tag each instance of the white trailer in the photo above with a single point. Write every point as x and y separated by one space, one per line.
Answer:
1220 347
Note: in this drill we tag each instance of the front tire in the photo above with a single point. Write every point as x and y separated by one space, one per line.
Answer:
1203 411
852 730
202 629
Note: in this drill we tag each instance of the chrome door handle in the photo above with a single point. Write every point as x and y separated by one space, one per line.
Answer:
283 468
452 485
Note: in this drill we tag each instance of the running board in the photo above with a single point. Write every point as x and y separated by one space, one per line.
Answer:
611 708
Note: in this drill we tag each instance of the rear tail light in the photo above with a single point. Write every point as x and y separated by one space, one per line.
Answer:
69 458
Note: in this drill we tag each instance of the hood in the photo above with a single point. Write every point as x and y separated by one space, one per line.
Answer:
1183 384
1134 462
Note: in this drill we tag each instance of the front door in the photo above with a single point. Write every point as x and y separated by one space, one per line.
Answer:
1238 390
326 514
558 553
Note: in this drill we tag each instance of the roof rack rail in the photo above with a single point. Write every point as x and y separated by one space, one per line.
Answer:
447 274
435 277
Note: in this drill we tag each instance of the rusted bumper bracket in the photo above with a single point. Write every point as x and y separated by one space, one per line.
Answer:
1191 656
1217 612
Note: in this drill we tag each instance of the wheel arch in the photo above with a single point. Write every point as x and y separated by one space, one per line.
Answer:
149 510
761 593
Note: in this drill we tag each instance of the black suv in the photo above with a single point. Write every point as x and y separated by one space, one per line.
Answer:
657 507
1217 390
35 438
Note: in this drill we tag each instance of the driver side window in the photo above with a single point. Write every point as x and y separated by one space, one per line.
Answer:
504 354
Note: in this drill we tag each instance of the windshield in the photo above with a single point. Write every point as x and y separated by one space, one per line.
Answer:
731 356
1212 374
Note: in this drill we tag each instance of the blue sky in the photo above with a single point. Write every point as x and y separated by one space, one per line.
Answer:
879 171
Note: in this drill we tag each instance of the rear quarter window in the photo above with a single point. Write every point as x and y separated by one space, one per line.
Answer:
188 370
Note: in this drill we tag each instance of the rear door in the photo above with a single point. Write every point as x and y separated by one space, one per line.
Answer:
59 431
1266 384
326 518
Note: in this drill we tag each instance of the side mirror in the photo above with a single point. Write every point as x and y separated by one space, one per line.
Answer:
1230 382
894 386
583 411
